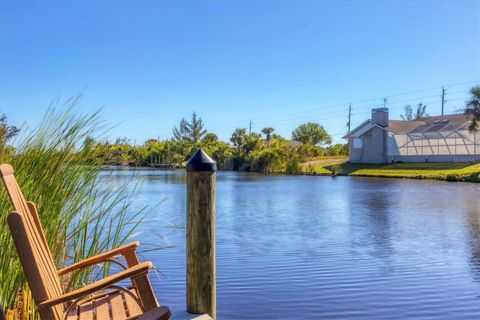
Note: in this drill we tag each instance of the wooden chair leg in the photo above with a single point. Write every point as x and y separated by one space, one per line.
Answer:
143 285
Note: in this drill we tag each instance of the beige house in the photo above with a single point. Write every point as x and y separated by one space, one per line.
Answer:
430 139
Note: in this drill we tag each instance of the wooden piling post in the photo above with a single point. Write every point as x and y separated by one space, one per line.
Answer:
201 265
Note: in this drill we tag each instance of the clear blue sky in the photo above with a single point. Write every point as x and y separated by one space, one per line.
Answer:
279 63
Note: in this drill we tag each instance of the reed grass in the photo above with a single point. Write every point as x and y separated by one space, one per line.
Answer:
81 217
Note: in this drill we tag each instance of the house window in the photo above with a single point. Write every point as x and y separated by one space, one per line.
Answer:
357 143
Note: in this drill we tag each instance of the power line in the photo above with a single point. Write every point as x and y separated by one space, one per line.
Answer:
280 124
326 119
323 114
357 101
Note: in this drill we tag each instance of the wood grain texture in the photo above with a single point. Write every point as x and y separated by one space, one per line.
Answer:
99 258
201 264
142 283
132 272
132 306
115 305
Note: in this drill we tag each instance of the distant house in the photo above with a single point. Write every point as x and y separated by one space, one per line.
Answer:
430 139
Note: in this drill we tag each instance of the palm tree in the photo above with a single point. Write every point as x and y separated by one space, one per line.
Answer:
268 134
472 109
238 138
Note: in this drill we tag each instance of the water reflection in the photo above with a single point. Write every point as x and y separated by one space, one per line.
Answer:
473 237
370 205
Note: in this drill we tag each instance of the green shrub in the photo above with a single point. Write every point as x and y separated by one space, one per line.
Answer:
293 166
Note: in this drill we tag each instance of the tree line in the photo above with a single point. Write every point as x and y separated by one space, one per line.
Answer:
263 151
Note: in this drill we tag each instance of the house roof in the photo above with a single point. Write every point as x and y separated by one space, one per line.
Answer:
399 126
433 124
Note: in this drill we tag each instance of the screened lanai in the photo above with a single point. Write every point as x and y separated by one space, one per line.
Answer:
447 137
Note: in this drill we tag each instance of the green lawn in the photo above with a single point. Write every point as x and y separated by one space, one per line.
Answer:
440 171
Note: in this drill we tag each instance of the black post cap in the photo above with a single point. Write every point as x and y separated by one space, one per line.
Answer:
200 161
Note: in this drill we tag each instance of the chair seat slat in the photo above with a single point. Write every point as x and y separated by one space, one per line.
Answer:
86 312
132 306
118 308
102 309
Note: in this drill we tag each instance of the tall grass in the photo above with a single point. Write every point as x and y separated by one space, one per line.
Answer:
54 169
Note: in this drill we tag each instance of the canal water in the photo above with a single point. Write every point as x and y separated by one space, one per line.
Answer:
305 247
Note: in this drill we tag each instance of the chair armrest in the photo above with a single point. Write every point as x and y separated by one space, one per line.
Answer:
134 271
99 258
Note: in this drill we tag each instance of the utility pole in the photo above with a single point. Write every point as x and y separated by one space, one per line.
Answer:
250 128
349 123
384 102
443 100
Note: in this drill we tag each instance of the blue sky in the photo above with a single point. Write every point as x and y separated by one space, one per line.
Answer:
278 63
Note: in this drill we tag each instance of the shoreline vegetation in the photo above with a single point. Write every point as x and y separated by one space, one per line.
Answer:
264 152
308 151
339 166
81 216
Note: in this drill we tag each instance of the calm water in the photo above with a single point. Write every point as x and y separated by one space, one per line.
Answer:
321 248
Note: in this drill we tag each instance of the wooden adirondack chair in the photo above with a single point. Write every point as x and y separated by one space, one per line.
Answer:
99 300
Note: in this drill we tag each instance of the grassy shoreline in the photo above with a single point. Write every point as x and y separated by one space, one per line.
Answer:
467 172
328 166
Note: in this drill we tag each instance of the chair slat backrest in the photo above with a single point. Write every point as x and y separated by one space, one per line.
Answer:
31 244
